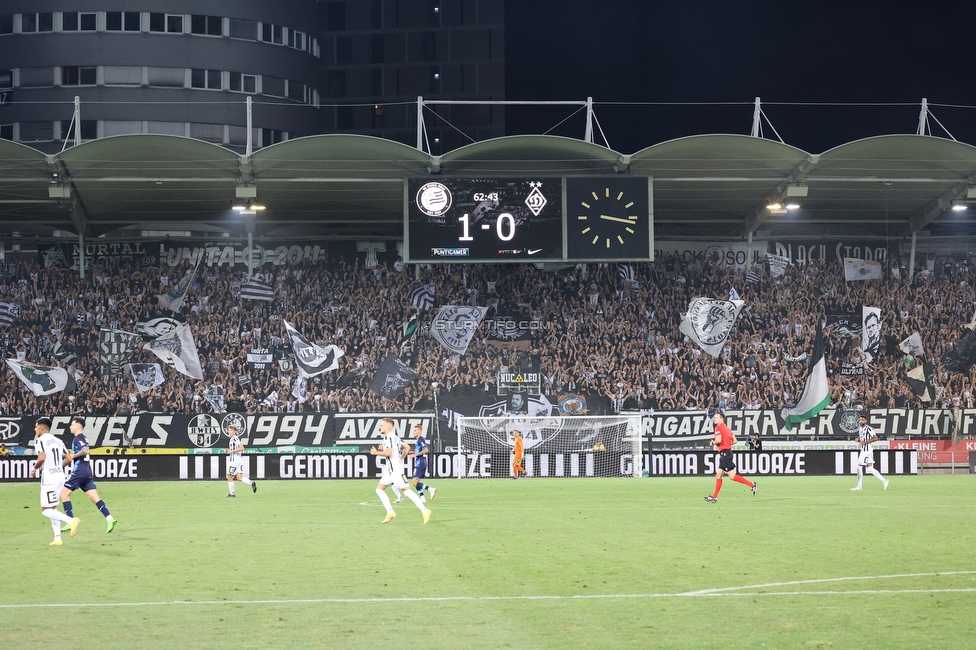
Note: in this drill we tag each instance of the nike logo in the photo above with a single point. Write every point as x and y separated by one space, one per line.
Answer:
533 252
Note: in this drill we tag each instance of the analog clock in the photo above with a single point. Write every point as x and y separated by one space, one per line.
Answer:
608 218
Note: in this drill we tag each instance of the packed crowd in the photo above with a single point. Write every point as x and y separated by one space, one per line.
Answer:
595 334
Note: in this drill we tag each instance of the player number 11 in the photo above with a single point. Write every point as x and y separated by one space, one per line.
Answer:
504 227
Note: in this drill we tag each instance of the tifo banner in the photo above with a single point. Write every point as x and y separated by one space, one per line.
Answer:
224 254
661 429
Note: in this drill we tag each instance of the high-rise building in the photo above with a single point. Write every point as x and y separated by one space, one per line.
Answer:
310 67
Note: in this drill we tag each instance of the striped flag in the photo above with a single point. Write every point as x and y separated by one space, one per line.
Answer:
816 393
8 312
626 273
423 297
252 289
752 277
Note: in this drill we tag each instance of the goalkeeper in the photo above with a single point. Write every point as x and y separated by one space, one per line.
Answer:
517 455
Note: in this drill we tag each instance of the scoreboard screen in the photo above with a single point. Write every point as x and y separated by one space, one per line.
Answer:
484 219
567 219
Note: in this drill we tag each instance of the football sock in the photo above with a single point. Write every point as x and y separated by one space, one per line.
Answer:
416 500
718 488
397 492
57 528
743 480
67 508
54 515
860 476
385 500
877 474
102 508
421 487
230 486
245 480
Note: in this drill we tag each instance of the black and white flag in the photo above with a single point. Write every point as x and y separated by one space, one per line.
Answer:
61 354
870 333
259 358
392 378
8 312
709 322
174 298
733 294
922 382
178 350
962 355
777 264
455 326
271 400
152 325
42 380
146 375
844 323
300 390
422 298
312 359
254 289
912 345
626 272
115 349
752 277
215 398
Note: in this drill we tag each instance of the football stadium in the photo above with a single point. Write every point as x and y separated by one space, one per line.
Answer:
332 375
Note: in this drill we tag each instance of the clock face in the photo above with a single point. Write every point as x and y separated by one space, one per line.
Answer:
608 218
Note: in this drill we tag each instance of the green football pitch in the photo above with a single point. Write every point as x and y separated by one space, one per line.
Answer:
538 563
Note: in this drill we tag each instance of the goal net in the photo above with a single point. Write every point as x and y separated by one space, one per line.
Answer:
569 446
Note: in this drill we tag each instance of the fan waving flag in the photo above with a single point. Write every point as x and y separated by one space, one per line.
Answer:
146 375
115 349
252 289
816 393
423 297
8 312
174 298
455 326
42 380
392 378
312 359
709 322
178 350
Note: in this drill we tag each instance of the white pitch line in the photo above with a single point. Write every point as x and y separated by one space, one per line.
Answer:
705 593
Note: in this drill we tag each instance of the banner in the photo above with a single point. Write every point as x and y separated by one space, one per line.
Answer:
871 333
312 359
392 378
508 331
115 350
851 369
844 323
153 324
224 254
143 253
43 381
855 269
962 355
455 326
709 322
146 375
259 359
178 350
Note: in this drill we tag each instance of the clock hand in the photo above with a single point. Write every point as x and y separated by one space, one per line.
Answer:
628 221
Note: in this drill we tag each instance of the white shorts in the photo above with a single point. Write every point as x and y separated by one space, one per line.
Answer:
51 494
237 468
865 458
398 480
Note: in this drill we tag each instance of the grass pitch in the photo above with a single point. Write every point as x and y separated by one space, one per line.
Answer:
539 563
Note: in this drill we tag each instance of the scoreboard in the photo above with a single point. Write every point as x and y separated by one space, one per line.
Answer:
528 219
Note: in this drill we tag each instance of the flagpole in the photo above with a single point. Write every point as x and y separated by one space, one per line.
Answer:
437 419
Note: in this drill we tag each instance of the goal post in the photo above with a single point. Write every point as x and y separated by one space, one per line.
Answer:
577 446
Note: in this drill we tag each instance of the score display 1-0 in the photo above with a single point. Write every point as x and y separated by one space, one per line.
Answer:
484 220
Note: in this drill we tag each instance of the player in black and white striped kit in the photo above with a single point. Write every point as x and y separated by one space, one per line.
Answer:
236 463
866 437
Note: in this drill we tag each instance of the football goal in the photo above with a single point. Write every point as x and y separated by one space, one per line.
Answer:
568 446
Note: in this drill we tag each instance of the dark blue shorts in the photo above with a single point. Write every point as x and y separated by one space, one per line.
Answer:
420 469
84 483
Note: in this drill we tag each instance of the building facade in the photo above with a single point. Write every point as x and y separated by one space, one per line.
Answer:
310 67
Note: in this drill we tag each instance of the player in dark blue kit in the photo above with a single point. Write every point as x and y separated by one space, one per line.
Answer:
81 474
419 455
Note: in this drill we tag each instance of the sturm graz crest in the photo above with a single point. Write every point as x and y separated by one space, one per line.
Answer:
712 320
203 431
849 421
237 420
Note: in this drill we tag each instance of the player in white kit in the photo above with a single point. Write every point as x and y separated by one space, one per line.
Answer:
236 463
865 459
393 449
52 456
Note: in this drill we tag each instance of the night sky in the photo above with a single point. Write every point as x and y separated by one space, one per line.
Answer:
733 51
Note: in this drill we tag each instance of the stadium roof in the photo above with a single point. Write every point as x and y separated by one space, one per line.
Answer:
708 187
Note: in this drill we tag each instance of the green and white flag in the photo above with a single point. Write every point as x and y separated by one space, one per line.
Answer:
816 393
42 380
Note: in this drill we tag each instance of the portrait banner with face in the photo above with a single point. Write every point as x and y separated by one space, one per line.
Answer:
870 333
709 322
